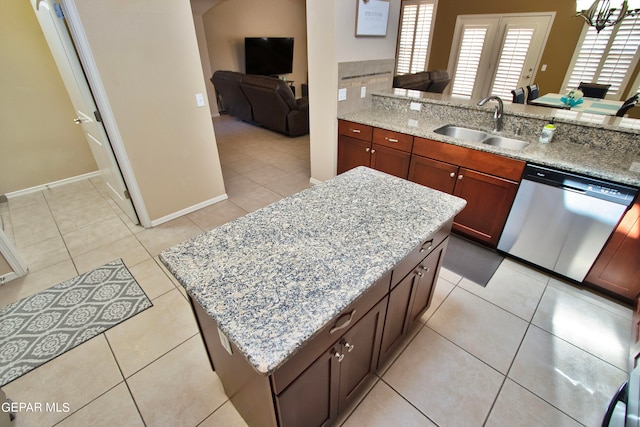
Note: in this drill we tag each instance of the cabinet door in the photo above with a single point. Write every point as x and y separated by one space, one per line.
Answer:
616 268
312 399
489 200
361 348
433 173
389 160
352 153
423 288
396 324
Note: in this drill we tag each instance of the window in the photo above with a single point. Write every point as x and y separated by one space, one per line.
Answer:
606 58
416 24
468 60
512 61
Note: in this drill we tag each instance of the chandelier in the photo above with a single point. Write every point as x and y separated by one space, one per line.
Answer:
601 14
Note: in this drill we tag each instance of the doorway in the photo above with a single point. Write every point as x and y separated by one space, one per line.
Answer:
51 20
494 54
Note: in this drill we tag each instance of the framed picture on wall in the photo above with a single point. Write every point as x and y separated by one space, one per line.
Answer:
372 17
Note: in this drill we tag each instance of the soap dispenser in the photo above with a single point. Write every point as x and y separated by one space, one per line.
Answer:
547 133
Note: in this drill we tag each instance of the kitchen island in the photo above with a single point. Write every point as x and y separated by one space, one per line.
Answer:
298 301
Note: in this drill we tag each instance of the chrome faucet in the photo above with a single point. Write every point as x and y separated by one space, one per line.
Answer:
497 114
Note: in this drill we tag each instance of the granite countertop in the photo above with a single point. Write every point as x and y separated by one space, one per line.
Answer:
610 165
273 278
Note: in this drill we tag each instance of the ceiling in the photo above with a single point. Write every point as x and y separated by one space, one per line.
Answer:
199 7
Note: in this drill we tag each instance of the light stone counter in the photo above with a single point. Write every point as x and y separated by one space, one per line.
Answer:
586 149
273 278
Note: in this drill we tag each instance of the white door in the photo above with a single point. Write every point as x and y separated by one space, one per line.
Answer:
494 54
55 31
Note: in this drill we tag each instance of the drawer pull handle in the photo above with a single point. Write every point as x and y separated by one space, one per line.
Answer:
428 248
338 355
348 346
452 174
391 139
373 151
343 325
426 269
367 149
355 130
460 176
419 273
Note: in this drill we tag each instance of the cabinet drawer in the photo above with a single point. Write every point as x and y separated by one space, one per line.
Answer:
310 351
481 161
409 262
355 130
397 140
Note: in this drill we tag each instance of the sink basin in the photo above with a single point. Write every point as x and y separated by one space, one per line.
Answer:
461 133
472 135
508 143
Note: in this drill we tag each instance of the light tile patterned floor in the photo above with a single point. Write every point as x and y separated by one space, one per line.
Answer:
527 350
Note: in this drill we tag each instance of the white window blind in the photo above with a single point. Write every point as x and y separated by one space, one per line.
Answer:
607 57
468 60
512 60
416 23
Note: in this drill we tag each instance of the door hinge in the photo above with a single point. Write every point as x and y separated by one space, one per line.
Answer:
126 194
98 116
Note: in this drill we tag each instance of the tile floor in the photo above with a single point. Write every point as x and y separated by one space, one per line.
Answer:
525 350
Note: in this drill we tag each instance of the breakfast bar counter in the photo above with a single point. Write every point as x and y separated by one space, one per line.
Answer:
274 281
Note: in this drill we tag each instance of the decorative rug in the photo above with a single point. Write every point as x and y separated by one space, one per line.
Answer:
41 327
471 260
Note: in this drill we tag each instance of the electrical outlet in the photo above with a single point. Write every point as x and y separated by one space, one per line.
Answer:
363 91
342 94
415 106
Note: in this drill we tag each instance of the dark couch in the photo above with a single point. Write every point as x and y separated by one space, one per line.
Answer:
426 81
267 101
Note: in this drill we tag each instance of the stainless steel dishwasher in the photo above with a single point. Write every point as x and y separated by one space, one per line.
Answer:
560 221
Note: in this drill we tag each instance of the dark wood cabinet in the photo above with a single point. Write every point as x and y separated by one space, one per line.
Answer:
616 268
409 300
383 150
332 381
489 199
487 182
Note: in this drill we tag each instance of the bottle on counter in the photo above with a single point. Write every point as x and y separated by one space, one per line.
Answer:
547 133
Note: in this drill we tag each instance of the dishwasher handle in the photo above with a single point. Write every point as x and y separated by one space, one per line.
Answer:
620 396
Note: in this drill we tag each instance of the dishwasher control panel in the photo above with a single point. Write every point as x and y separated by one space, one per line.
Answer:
569 181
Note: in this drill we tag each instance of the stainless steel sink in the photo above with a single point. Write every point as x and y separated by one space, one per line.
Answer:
461 133
508 143
472 135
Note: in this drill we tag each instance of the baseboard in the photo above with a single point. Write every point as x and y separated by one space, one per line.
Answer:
8 277
189 210
314 181
52 184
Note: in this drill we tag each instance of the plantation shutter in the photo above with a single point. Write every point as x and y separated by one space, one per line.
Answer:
512 60
416 23
473 38
608 57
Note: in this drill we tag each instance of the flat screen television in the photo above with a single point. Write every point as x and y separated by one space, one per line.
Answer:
268 56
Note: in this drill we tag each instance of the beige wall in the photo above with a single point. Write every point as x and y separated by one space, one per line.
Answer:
331 39
39 143
229 22
147 56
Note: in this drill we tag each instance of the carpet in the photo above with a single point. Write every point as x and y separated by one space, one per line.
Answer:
471 260
38 328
